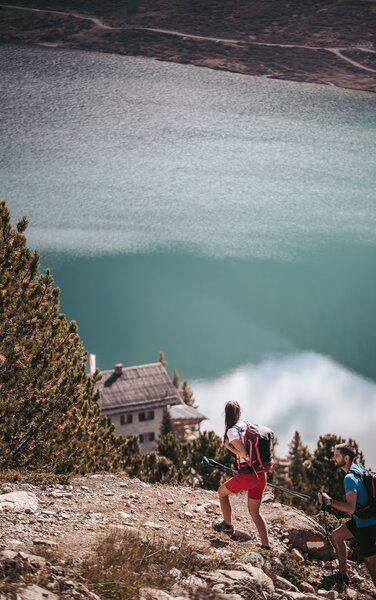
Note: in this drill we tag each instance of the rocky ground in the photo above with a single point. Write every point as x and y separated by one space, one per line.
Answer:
331 42
65 521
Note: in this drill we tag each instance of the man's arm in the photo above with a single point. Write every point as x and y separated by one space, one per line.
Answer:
348 506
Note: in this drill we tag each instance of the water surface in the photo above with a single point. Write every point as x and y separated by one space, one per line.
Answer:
225 219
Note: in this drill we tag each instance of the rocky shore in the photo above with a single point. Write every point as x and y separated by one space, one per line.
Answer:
48 531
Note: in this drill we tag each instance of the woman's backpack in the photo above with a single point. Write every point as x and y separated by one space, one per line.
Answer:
258 441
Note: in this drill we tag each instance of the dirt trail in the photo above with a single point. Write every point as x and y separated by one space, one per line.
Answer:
101 25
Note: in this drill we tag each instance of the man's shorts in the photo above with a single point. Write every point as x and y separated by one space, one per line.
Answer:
365 536
254 484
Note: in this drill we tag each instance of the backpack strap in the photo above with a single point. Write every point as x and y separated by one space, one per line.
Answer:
240 429
360 507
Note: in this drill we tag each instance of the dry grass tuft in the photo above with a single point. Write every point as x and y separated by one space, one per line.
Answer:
123 562
38 478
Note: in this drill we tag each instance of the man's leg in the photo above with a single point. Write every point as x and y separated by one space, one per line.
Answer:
259 521
367 548
339 538
371 566
224 501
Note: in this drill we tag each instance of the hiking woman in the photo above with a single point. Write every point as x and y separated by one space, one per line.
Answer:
246 479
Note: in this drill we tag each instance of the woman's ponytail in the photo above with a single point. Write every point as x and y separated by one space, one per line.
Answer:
232 415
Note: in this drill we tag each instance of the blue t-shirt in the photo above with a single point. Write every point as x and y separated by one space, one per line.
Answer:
353 483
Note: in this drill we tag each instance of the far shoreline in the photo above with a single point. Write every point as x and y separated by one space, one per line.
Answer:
58 45
328 58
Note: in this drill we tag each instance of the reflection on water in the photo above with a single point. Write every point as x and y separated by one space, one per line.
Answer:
305 392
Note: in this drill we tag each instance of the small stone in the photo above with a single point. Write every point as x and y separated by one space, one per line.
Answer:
332 595
193 580
284 584
124 515
307 587
8 554
297 555
49 543
152 525
175 573
170 501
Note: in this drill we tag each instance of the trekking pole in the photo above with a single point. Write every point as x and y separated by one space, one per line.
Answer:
328 539
210 462
291 492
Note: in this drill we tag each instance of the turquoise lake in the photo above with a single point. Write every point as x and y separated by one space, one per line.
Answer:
228 220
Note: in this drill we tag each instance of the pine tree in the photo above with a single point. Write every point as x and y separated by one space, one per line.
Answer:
162 359
187 395
49 415
209 444
157 469
131 460
167 425
299 458
176 379
170 447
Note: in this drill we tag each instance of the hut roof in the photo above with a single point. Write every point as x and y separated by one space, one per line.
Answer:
136 388
182 412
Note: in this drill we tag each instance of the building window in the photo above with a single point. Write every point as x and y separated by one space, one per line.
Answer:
151 436
126 419
141 438
146 416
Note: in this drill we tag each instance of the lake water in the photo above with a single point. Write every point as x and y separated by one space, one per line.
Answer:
226 219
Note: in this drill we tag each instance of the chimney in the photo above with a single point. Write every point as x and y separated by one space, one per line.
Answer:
118 369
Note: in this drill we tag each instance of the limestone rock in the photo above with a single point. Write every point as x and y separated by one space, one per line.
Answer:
152 594
19 502
34 592
261 578
284 584
193 581
297 555
307 587
254 558
241 535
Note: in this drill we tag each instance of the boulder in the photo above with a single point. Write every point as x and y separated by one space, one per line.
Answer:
19 502
304 533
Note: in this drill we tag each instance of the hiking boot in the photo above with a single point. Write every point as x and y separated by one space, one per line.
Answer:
222 526
335 578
